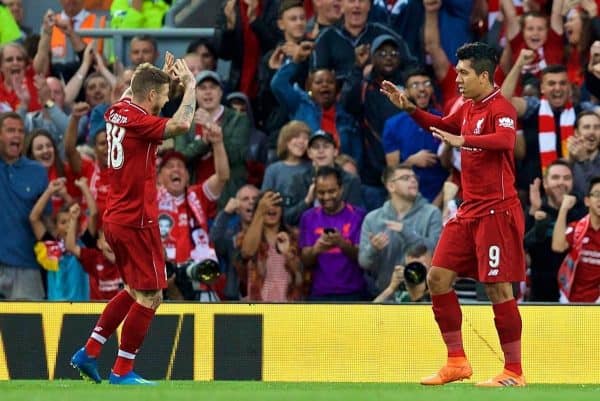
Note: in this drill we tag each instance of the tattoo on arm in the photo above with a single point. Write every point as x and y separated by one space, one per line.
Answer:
184 116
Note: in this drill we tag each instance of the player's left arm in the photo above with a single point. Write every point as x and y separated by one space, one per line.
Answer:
503 137
182 120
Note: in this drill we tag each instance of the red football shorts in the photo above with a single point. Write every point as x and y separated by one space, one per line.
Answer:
487 248
139 255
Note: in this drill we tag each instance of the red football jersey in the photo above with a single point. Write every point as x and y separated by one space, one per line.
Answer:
487 161
586 284
105 279
133 137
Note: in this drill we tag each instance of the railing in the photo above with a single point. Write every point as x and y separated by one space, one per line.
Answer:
168 38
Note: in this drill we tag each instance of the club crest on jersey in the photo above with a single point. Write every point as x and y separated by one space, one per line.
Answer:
506 122
478 126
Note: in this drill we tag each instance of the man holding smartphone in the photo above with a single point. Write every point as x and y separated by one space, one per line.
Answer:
329 237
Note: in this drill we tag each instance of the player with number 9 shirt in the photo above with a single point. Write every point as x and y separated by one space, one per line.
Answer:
485 239
134 130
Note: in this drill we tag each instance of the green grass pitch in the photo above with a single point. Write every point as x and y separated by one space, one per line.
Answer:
72 390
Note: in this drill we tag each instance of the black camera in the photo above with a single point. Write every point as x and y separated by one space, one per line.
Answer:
415 273
329 230
191 274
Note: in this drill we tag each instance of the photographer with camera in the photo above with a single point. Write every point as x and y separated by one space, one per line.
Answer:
408 282
184 211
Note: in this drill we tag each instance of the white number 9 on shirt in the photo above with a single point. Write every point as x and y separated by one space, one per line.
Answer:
114 137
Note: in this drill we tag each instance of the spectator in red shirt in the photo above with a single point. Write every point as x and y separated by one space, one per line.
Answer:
580 281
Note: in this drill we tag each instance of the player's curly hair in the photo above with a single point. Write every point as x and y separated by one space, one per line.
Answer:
147 77
483 57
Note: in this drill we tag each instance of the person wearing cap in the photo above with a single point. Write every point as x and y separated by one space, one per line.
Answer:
256 159
236 132
334 47
404 141
190 206
322 150
362 98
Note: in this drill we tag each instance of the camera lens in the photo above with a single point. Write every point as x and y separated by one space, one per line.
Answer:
415 273
204 271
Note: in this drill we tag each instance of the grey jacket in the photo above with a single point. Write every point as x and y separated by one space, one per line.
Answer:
422 224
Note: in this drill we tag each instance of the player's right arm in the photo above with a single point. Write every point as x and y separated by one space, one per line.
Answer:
559 234
398 97
181 121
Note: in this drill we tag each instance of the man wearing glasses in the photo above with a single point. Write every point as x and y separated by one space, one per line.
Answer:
404 141
405 220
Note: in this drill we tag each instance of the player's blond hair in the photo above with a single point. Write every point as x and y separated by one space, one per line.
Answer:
146 78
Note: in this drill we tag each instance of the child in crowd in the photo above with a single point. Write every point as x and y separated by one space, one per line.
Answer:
65 278
291 151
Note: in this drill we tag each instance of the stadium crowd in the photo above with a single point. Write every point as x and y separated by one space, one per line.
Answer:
313 186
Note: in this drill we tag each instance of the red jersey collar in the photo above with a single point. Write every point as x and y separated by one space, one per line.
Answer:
130 102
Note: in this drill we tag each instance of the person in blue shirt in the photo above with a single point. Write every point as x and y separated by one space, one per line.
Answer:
22 182
406 142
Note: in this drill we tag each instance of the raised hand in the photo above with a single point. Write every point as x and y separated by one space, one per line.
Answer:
74 211
169 62
230 13
361 54
48 22
269 200
57 185
80 109
232 205
81 183
576 149
568 202
201 116
397 277
214 133
525 57
303 51
276 58
535 197
43 90
397 96
21 90
182 73
283 242
455 141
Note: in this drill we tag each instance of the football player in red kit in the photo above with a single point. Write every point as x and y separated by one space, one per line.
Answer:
134 130
485 239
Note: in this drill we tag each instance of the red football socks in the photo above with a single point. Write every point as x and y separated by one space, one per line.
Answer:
112 316
449 318
508 324
134 331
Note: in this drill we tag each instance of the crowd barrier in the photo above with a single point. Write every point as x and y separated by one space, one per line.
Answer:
300 342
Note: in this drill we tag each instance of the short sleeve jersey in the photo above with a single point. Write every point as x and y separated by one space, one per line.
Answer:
133 137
